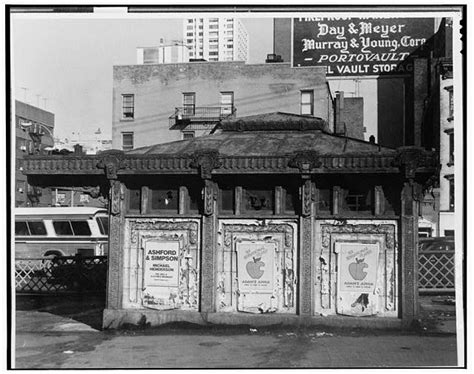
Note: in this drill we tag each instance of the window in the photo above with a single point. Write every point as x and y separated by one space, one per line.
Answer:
213 53
78 228
21 228
30 228
127 141
307 102
213 27
451 104
258 200
188 135
128 106
324 200
103 223
189 102
37 227
451 194
451 147
190 21
448 232
189 34
134 199
291 199
81 228
227 103
165 199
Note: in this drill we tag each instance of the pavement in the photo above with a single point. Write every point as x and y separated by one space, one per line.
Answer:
65 333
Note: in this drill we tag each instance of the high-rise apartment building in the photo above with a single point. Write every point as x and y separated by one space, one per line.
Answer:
216 39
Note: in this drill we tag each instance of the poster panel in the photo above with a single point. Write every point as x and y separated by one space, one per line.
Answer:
350 46
255 267
358 264
161 264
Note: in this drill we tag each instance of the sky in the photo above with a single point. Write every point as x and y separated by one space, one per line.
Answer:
69 62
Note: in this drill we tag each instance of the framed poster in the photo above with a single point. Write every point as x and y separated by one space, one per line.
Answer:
255 266
358 263
161 264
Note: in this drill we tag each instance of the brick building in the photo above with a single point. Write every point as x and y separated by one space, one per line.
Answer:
34 132
167 102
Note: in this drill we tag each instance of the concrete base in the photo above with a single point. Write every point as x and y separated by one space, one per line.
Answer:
116 318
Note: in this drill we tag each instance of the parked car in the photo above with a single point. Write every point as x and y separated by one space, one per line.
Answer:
443 243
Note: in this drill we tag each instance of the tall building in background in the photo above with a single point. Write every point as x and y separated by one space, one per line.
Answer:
216 39
165 53
34 133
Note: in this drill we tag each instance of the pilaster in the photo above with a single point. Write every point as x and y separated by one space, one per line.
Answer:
111 162
306 247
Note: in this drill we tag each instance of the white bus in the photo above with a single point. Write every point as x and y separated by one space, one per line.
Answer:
61 231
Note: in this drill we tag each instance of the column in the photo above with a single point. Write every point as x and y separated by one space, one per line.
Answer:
209 246
409 252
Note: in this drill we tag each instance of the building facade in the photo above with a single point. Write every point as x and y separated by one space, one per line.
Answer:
34 132
168 102
271 219
216 39
439 113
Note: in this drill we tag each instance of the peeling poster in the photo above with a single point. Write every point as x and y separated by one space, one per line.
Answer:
161 274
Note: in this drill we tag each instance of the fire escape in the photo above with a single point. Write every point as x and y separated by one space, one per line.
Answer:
191 118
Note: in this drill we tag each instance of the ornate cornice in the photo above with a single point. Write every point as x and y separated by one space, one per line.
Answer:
212 163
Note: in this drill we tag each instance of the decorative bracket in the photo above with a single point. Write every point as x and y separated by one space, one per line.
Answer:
409 159
111 161
205 161
305 161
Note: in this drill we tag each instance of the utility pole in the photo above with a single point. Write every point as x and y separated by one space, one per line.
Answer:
25 89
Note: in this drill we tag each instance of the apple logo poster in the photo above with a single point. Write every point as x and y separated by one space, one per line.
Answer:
255 264
357 266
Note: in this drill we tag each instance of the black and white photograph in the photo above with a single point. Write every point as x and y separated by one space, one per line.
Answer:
236 186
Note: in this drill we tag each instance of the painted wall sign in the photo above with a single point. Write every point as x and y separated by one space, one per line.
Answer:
357 266
161 264
360 46
255 266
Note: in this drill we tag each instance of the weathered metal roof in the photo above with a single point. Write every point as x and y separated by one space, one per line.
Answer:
272 134
263 144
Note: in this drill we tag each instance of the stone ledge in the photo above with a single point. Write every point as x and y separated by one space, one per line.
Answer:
116 318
